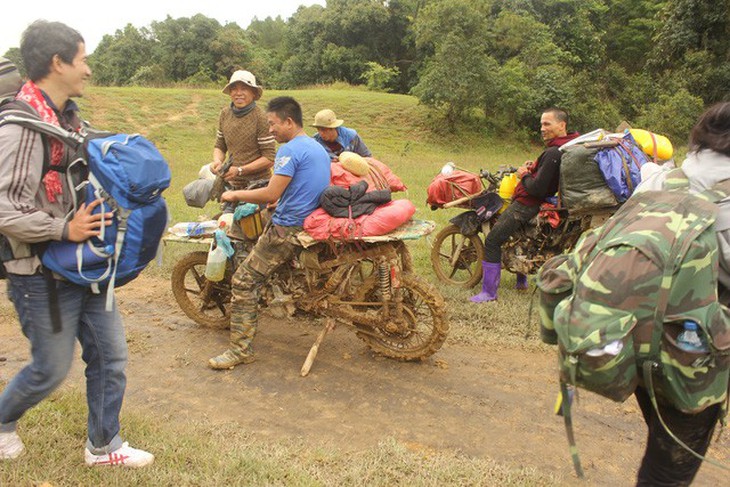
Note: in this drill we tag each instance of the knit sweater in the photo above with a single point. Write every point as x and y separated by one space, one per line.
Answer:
245 139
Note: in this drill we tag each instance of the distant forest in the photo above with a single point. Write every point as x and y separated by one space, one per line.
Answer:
495 63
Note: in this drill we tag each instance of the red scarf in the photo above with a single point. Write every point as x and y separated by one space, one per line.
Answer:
562 139
31 94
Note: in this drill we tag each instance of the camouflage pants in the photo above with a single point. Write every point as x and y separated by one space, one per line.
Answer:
275 247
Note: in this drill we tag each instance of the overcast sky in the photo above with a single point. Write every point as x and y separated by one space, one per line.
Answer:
94 19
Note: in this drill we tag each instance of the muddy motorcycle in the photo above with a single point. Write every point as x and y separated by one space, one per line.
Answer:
368 284
458 249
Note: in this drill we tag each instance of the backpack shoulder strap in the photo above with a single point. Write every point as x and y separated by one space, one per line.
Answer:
718 192
647 369
20 113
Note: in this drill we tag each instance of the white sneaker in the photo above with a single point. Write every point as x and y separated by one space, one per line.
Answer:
125 456
11 446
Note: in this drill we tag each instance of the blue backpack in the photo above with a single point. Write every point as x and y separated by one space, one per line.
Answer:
128 174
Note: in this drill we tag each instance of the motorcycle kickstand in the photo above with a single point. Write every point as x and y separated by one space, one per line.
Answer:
329 325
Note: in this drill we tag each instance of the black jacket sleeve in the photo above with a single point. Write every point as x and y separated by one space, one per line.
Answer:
544 182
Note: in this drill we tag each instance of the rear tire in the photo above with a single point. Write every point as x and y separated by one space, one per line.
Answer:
425 318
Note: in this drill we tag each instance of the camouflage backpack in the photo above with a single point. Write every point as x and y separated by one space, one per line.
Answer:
616 304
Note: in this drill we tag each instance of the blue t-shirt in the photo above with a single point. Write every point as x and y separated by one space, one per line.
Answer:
308 165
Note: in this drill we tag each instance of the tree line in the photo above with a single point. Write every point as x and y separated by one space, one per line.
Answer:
495 63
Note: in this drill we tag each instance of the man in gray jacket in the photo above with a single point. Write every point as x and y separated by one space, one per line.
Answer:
36 207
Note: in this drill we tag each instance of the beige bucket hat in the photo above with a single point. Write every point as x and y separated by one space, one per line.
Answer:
245 77
327 119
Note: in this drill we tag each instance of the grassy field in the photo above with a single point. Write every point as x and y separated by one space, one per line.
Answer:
203 454
182 123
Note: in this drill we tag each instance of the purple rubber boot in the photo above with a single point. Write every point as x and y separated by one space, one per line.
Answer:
521 283
492 271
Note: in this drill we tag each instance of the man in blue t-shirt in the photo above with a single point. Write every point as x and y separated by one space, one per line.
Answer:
301 173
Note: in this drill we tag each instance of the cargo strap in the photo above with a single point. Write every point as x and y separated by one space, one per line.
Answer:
654 145
565 406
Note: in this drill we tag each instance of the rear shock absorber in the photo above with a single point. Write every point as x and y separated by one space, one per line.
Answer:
384 280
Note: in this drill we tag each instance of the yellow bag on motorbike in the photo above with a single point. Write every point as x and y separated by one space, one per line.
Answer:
651 142
507 186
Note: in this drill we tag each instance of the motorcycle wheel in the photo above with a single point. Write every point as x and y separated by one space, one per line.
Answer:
424 312
456 258
206 303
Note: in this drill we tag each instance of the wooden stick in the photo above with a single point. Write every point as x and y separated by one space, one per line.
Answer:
460 201
329 326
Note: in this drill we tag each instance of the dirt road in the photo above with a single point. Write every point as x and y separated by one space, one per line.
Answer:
473 400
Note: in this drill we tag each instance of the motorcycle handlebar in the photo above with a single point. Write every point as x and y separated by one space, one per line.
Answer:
496 177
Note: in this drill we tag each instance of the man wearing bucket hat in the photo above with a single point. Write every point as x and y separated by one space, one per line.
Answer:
243 134
335 137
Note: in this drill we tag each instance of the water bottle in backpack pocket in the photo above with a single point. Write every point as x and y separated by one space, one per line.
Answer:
617 304
695 377
604 363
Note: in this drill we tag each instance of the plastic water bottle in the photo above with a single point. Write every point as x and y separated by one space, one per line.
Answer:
215 265
193 229
690 339
220 251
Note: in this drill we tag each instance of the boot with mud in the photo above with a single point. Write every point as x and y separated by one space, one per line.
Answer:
244 320
229 359
492 271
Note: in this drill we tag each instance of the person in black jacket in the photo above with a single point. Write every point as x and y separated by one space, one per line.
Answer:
538 180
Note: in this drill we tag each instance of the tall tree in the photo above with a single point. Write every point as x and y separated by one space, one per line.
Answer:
336 42
118 57
628 29
183 45
692 48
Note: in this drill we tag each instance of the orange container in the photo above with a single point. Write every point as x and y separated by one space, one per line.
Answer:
252 226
